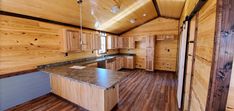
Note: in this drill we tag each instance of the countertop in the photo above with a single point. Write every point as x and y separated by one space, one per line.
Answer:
103 78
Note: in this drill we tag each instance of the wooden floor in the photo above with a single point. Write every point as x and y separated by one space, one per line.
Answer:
141 91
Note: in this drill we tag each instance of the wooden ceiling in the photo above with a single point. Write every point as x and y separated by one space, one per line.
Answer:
67 11
170 8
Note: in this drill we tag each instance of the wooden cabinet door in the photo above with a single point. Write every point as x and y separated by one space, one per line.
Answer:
150 42
125 62
110 42
96 42
74 40
131 44
86 41
108 65
119 63
71 41
149 62
125 42
116 42
120 42
131 62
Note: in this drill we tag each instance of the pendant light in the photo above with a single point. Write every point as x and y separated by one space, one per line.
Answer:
81 17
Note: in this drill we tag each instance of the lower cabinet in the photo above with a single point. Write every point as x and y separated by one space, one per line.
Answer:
129 62
118 63
87 96
111 64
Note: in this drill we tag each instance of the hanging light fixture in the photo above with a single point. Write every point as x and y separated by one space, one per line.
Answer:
81 24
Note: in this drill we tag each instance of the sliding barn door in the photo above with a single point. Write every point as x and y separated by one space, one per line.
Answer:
182 54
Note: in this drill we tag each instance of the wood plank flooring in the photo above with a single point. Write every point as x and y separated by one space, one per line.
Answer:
140 91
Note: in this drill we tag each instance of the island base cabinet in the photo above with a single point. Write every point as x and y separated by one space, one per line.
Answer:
85 95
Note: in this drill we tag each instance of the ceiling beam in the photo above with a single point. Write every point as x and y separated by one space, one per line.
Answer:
48 21
156 7
198 7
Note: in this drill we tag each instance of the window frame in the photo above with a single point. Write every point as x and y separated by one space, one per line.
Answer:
103 50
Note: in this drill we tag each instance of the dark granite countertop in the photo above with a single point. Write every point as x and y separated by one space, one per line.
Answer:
99 77
85 60
102 78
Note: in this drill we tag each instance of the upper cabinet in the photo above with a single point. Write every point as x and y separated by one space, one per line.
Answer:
96 42
131 43
71 41
90 41
87 41
126 43
112 42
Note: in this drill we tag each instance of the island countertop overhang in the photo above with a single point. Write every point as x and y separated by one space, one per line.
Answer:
102 78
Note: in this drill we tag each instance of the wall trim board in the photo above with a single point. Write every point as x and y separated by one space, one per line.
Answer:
47 21
223 54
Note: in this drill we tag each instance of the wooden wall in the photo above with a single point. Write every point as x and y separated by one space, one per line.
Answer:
203 55
165 51
25 44
230 101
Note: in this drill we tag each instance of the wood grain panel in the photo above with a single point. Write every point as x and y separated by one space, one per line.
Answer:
67 11
25 44
203 55
171 8
165 50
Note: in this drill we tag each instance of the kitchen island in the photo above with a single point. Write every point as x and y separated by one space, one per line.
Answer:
92 88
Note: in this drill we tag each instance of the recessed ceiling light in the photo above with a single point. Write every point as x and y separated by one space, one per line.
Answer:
132 21
115 9
144 15
97 24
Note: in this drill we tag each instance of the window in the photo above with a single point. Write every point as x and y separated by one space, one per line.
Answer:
103 43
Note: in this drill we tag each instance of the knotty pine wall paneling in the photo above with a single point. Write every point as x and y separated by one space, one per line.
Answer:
204 52
25 44
165 50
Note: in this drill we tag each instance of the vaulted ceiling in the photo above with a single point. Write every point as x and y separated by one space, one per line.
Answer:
67 11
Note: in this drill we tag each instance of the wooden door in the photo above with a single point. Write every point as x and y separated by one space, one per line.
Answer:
86 41
182 56
190 62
